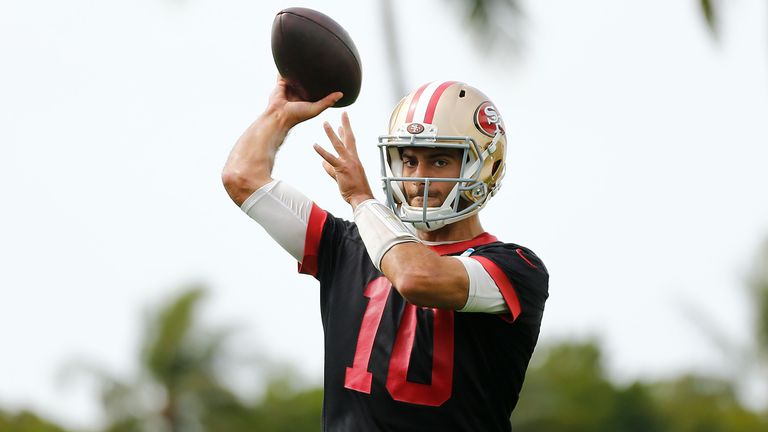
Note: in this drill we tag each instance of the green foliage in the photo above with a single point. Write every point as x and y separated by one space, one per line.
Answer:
26 421
167 354
284 409
691 403
494 23
566 389
758 284
179 385
710 15
482 11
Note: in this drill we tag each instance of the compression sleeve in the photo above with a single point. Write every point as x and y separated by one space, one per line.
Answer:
484 294
380 229
283 212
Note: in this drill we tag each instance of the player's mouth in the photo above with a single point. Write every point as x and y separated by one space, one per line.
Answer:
434 199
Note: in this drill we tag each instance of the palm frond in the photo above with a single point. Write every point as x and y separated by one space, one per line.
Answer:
709 13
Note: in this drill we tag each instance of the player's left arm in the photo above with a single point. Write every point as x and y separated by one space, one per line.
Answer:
420 275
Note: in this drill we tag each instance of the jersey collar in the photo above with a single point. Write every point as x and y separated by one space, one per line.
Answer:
452 248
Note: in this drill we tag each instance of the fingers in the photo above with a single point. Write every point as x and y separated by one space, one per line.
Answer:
347 126
280 82
329 157
344 139
349 136
279 92
312 109
337 143
329 100
329 169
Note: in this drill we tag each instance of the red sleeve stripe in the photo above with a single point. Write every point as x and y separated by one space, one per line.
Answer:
520 252
317 217
504 284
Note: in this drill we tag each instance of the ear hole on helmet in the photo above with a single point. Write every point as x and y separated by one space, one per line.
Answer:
462 94
496 166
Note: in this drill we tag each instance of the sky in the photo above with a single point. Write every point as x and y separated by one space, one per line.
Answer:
637 172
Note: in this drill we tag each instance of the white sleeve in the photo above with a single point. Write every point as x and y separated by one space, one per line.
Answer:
484 294
283 212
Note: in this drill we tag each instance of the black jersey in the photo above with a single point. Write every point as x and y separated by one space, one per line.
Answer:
393 366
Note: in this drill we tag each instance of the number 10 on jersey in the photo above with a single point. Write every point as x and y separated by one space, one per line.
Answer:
359 379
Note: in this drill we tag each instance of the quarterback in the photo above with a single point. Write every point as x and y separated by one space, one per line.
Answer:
429 321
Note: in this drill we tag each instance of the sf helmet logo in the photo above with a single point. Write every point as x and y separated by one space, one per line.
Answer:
488 120
415 128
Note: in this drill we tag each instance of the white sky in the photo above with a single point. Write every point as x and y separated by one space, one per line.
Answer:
637 172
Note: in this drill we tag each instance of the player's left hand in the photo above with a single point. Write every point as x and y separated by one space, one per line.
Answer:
345 168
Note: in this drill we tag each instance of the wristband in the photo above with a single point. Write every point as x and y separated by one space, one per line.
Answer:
380 229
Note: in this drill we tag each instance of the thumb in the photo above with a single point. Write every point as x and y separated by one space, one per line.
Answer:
326 102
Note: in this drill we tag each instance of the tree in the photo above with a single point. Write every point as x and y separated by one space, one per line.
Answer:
179 386
709 13
758 285
567 389
493 21
26 421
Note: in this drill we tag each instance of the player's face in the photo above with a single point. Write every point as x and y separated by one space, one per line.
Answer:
429 162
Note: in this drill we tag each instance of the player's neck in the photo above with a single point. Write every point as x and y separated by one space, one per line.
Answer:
466 229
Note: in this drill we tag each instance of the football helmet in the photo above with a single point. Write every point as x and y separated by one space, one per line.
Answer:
448 115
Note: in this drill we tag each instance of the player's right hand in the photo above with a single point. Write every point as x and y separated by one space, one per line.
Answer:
287 104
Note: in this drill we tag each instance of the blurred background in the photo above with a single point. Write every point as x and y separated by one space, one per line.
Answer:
134 296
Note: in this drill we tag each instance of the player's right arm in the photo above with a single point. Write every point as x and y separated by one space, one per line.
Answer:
249 166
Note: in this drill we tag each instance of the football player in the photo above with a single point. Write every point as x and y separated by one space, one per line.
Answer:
429 321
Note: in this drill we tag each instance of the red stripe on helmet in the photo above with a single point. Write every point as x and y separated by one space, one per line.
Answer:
430 114
414 102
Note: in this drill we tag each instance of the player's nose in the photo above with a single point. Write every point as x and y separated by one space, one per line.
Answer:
421 170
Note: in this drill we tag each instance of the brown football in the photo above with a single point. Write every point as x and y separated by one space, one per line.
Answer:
316 55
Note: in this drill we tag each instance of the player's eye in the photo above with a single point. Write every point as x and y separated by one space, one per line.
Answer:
441 163
409 162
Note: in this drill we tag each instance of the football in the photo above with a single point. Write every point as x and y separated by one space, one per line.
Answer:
315 55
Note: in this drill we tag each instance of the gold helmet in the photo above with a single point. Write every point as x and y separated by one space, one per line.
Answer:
449 115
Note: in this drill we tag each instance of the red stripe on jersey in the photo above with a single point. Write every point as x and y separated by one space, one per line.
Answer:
504 284
452 248
430 114
415 102
520 252
317 217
